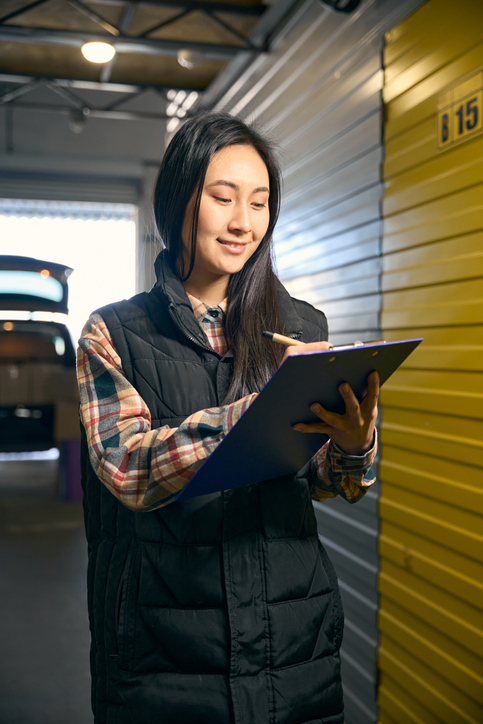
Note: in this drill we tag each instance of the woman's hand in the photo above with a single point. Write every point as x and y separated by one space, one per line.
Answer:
353 431
302 348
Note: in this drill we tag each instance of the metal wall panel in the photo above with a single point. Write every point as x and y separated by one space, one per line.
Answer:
318 94
431 543
68 187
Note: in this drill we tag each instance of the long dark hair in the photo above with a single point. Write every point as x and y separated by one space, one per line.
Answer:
252 292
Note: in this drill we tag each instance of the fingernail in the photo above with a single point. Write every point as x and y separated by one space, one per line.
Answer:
344 387
315 407
297 427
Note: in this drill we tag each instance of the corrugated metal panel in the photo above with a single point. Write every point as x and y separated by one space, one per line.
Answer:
68 187
431 543
318 93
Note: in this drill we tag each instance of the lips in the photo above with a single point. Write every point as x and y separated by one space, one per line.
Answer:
234 247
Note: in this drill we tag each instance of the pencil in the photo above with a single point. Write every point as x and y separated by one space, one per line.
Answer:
281 339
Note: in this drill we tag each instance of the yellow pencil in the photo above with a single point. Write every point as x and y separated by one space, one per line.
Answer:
289 342
281 339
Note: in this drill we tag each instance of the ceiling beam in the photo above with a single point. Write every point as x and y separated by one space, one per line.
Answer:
164 23
267 30
126 17
64 93
90 112
123 44
20 91
221 23
214 7
79 84
95 17
20 11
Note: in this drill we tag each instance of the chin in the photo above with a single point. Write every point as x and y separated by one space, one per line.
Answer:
235 268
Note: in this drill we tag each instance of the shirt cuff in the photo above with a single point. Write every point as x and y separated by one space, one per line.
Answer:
234 411
336 473
363 460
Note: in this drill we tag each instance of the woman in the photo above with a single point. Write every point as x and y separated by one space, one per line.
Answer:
222 608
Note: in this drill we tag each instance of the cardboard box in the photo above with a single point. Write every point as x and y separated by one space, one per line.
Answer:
54 382
66 422
31 383
16 384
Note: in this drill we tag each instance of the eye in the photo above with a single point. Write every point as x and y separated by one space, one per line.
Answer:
258 206
223 201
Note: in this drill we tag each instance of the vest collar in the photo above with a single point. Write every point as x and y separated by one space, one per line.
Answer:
169 283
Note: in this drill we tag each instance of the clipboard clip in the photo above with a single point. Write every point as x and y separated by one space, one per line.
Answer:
357 344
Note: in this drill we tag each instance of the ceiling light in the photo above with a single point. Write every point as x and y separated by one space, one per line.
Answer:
98 52
189 58
190 100
77 119
171 109
180 96
173 124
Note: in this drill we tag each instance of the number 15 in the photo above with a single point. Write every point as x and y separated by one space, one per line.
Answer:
468 116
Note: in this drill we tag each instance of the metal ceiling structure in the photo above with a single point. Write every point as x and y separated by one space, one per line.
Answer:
40 45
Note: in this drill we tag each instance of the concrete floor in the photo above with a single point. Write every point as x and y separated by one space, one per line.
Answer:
44 659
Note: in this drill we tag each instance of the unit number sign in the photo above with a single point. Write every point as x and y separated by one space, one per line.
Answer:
460 110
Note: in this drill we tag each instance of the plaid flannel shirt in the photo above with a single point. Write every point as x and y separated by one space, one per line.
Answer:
145 468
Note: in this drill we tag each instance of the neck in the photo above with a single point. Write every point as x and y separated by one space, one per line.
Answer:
211 293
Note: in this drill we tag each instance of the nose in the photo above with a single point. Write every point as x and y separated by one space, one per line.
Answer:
240 220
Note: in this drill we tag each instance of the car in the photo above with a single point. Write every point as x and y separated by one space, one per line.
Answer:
38 391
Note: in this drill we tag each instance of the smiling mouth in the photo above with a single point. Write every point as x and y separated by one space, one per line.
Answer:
234 245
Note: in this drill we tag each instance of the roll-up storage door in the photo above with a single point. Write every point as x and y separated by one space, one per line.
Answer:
431 538
69 187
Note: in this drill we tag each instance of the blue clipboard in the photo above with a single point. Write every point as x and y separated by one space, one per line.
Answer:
263 445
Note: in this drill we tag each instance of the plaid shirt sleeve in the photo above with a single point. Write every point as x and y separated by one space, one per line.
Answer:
332 472
143 468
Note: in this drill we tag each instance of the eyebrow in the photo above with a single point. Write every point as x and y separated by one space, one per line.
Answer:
222 182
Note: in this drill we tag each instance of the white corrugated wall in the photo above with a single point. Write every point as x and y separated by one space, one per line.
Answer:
318 93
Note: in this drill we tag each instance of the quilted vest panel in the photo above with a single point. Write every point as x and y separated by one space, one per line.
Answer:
219 609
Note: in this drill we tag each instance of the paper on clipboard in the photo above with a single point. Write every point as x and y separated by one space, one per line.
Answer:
263 445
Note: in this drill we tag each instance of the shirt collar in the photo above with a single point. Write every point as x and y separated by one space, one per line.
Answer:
201 310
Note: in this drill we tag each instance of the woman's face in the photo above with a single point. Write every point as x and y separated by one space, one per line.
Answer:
233 215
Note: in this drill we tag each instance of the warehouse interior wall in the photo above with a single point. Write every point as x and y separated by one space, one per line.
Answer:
319 95
431 544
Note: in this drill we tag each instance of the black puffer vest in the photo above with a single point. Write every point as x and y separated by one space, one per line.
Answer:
222 609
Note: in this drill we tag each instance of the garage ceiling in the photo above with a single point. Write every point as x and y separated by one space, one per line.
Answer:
40 45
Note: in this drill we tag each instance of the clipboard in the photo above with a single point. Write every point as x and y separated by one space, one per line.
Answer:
263 445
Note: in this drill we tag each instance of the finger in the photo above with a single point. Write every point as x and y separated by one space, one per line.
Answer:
331 418
373 381
351 402
306 348
291 351
317 346
319 427
372 395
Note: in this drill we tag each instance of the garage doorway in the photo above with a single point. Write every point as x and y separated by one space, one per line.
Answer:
98 240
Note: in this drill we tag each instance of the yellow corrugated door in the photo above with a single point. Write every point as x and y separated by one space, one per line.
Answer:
431 543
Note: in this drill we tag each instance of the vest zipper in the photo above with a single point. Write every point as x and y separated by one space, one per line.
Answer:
173 314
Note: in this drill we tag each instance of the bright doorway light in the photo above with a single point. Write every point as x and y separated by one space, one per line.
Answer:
97 240
98 52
